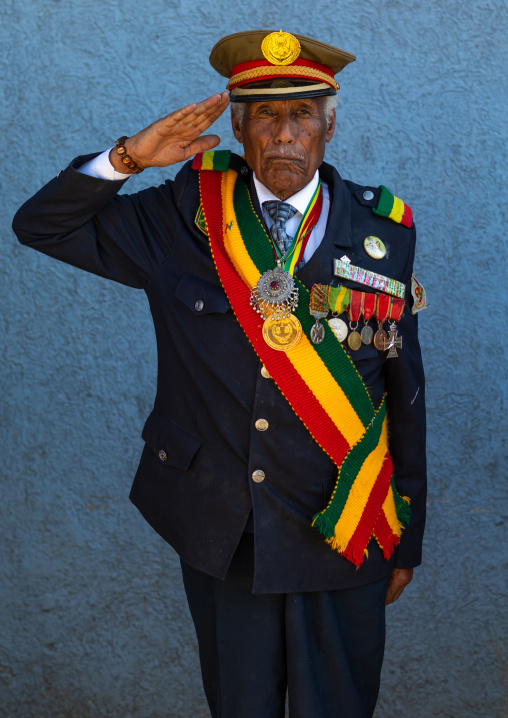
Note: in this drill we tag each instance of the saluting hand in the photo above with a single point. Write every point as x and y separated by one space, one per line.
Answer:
174 138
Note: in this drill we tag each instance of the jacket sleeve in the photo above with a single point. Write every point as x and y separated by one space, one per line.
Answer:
405 385
82 221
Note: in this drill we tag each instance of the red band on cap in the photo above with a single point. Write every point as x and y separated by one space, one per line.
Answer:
264 63
253 71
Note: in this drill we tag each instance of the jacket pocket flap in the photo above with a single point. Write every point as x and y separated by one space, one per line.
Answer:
171 444
200 296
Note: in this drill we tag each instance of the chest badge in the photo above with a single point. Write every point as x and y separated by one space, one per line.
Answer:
419 296
374 247
199 220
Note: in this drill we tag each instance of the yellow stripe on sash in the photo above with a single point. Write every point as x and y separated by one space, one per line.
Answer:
233 241
207 162
360 492
397 210
295 257
303 357
391 514
330 395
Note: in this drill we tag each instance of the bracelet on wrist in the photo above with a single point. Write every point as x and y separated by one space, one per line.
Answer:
126 159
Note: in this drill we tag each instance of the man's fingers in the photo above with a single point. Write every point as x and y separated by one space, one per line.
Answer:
399 579
202 144
174 138
201 118
195 113
392 595
198 107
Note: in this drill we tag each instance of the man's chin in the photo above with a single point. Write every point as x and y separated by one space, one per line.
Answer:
287 179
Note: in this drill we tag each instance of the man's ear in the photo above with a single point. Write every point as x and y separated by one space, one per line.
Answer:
331 125
236 124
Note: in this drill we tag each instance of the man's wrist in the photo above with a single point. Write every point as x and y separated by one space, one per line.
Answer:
101 168
116 161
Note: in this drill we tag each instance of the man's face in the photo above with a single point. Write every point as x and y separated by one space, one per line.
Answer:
284 141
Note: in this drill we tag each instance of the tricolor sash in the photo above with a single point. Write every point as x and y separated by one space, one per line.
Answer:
319 381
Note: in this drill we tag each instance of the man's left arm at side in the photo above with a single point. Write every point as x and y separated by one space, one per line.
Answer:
405 386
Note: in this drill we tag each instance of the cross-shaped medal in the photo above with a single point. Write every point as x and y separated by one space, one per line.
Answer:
393 342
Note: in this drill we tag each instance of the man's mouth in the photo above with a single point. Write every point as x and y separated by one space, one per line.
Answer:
284 158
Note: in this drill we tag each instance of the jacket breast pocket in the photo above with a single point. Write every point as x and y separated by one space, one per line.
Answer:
171 444
200 296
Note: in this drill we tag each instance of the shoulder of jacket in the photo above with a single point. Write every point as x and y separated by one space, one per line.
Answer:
218 160
382 203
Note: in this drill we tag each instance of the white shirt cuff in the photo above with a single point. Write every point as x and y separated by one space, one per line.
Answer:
102 168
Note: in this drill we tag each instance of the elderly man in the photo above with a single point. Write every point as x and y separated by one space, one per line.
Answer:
286 449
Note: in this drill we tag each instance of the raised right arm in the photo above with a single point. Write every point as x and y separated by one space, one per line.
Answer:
80 220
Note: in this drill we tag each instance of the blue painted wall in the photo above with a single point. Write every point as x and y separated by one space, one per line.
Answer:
92 611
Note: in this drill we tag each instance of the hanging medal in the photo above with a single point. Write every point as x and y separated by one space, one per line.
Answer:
354 340
381 313
338 301
275 296
393 341
369 304
318 308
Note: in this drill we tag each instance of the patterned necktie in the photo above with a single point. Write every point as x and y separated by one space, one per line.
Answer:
280 212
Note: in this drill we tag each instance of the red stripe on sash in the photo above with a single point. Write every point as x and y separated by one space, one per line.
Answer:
363 531
385 537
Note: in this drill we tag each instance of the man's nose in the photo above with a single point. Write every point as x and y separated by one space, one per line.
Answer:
285 130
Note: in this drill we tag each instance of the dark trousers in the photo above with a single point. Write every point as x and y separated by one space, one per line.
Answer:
326 648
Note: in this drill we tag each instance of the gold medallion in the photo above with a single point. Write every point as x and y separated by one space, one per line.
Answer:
354 341
280 48
282 334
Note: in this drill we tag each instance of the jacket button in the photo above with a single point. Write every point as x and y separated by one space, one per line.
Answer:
258 476
199 305
368 195
261 425
162 455
264 373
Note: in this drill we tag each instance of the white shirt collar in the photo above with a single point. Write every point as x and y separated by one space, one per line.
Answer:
299 200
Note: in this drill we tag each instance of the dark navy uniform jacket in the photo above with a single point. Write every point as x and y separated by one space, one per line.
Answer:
194 483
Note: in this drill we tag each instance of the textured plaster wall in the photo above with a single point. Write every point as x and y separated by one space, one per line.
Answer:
93 621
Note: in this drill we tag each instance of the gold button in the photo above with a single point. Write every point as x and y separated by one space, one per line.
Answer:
258 476
265 374
261 425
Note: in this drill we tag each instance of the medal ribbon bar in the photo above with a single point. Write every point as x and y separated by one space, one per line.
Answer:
370 279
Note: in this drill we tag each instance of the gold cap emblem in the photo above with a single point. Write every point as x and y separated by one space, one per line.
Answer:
280 48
